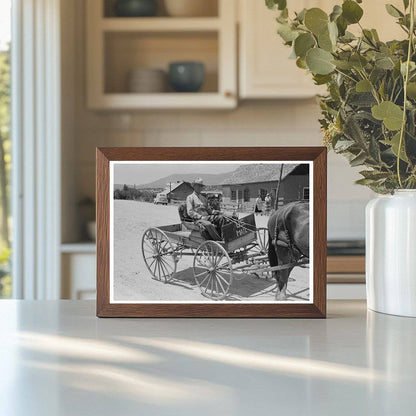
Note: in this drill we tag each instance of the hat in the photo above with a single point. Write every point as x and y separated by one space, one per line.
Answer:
198 181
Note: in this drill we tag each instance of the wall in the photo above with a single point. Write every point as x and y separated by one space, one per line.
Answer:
257 123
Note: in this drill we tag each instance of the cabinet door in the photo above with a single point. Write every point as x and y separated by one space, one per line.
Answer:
265 68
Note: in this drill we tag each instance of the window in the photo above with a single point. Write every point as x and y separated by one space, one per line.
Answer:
246 195
233 195
5 161
305 193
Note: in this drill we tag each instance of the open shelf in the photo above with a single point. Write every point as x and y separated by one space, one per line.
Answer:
160 24
108 9
127 51
116 46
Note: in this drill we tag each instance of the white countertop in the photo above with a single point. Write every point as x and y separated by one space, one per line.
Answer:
58 359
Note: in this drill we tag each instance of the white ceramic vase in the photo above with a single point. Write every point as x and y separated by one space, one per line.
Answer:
391 253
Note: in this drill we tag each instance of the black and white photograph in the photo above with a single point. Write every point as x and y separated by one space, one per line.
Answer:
196 232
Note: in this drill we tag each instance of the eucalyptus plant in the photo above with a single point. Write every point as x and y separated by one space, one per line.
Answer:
369 112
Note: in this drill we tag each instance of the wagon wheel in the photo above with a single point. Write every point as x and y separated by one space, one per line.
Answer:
159 255
213 270
263 240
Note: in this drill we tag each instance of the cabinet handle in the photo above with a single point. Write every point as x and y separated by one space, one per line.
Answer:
228 94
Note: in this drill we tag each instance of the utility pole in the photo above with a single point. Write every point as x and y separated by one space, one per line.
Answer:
276 201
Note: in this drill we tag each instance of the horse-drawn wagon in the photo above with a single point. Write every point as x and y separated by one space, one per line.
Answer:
242 250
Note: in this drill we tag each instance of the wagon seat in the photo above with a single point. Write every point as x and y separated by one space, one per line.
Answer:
186 220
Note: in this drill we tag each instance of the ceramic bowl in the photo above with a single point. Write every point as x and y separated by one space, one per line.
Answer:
186 76
147 80
135 8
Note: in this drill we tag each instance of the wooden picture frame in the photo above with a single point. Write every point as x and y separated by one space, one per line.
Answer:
315 156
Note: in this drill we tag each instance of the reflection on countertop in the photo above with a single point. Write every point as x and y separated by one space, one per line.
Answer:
63 360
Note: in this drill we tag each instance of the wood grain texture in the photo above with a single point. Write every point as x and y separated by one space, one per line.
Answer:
346 264
214 309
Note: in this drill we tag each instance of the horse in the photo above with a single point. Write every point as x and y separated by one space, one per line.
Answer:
288 241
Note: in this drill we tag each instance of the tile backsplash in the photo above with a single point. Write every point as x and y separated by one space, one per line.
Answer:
285 123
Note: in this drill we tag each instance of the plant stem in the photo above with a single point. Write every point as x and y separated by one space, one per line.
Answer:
345 75
406 80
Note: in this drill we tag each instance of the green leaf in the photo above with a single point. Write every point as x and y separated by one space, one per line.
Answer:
375 35
364 181
319 61
393 11
301 63
303 43
276 4
358 160
336 12
374 150
368 36
286 32
391 114
361 99
321 79
358 61
348 37
374 175
300 17
342 25
325 42
316 20
351 11
411 90
343 65
406 4
343 145
385 63
363 86
394 145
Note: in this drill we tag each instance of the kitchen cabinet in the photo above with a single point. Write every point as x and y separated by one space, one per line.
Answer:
265 70
116 46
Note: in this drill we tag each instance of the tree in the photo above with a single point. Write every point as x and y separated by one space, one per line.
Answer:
5 159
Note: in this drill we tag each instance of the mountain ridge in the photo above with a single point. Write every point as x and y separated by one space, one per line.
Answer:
208 178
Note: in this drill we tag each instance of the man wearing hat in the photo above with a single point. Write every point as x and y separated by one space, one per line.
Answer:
210 221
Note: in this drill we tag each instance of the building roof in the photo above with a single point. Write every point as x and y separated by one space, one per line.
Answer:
254 173
173 186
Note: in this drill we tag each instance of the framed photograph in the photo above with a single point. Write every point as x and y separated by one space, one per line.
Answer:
211 232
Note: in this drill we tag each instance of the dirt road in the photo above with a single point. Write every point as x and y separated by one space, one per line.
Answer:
133 282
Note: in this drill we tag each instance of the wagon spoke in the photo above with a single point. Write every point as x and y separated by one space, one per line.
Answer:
200 274
151 264
223 279
208 274
212 284
158 269
218 257
150 246
166 264
216 286
219 282
165 271
209 280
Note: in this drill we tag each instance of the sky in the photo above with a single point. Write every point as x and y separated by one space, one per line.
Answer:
144 173
5 21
